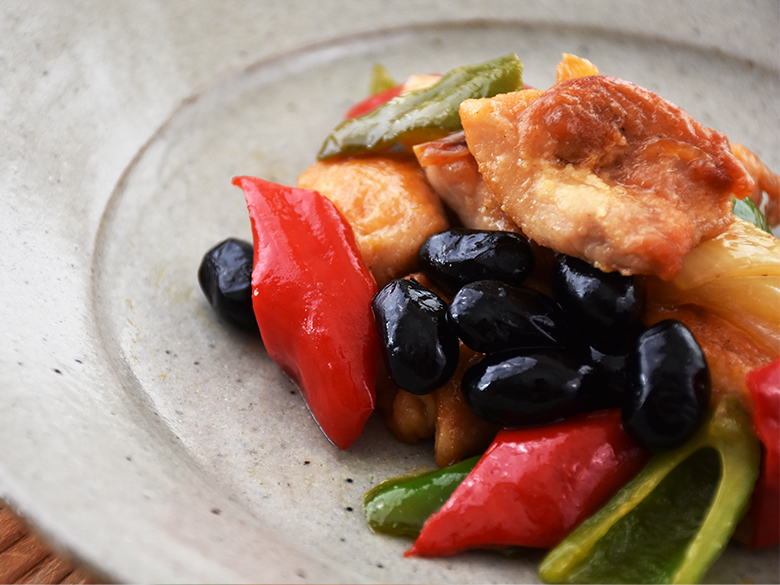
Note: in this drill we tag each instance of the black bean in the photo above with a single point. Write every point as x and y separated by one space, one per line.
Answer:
225 276
521 388
491 316
459 256
419 348
609 379
604 307
668 387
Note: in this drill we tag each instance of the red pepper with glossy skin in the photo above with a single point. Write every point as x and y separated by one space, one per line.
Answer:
311 294
374 101
764 513
534 486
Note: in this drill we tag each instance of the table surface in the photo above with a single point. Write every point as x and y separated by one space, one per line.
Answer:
25 558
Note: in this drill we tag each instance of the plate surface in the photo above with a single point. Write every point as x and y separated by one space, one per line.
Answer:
154 441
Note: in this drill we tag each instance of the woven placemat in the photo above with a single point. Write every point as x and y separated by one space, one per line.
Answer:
24 558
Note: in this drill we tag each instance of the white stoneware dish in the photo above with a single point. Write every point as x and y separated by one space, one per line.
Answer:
139 433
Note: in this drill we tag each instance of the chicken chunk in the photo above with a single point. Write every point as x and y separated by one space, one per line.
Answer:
444 415
453 173
572 67
767 192
388 203
602 169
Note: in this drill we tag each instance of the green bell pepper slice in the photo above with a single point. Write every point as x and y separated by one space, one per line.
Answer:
381 79
672 521
749 211
400 506
425 114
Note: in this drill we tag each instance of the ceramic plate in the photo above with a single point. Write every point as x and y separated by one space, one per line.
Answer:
144 435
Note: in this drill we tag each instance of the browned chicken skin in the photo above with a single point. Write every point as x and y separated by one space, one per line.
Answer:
602 169
453 174
767 192
389 205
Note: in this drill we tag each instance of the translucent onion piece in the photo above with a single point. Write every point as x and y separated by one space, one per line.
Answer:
752 304
735 276
741 251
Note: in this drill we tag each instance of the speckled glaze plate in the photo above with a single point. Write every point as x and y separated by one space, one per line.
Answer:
140 433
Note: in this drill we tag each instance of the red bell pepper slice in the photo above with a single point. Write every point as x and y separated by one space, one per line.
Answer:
534 486
374 101
311 293
764 513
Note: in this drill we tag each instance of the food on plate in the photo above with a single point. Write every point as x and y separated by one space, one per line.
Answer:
443 414
314 316
419 348
761 528
507 500
225 275
630 181
609 305
766 181
388 203
668 389
673 520
401 506
458 256
426 113
574 291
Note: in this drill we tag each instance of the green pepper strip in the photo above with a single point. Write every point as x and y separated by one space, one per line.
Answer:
425 114
380 79
717 470
400 506
749 211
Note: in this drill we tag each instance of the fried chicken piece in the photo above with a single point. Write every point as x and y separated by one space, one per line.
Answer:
444 415
767 183
459 432
453 174
602 169
388 203
573 67
413 417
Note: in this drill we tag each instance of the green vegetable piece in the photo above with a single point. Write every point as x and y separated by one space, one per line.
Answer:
672 521
401 506
425 114
749 211
380 80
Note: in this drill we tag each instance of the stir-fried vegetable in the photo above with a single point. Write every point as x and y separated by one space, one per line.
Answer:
401 506
311 293
533 486
675 518
735 275
763 519
749 211
424 114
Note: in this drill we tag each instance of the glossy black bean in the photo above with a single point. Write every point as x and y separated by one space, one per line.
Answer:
604 307
609 379
418 346
225 276
520 388
668 387
459 256
491 316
